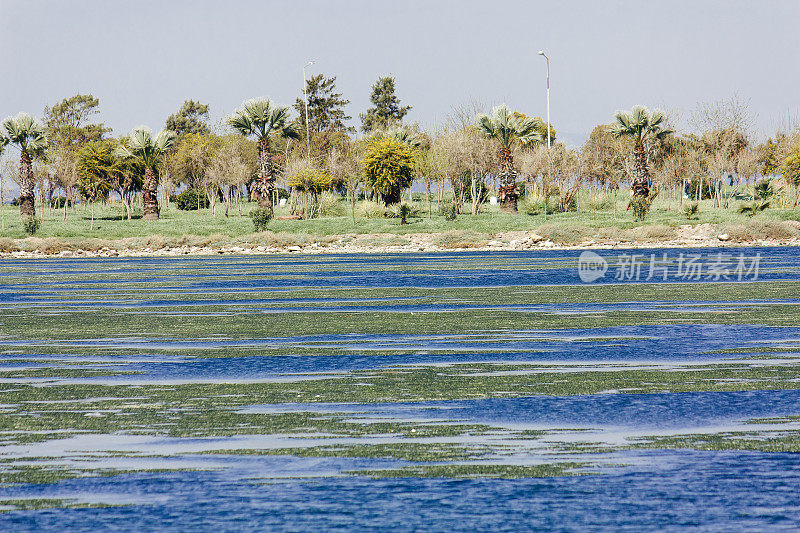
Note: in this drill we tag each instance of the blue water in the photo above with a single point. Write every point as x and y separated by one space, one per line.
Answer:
423 270
664 490
622 344
685 411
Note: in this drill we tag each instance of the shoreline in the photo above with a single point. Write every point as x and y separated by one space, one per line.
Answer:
700 236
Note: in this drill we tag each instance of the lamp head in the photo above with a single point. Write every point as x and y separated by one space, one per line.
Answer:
541 52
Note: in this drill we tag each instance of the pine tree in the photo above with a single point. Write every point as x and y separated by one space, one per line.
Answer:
325 106
387 109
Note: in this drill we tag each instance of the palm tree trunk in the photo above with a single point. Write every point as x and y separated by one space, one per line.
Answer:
640 172
264 183
27 208
150 195
507 191
2 203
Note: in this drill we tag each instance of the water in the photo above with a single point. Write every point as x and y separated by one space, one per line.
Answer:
668 491
180 322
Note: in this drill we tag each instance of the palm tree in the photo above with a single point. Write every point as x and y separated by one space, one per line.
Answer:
509 129
260 117
642 126
30 138
147 151
3 143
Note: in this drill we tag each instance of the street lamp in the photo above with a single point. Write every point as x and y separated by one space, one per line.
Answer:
549 164
305 102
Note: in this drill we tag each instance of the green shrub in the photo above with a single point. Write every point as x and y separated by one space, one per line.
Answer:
370 209
640 206
31 225
691 210
537 208
404 212
261 217
603 203
329 205
764 189
753 208
706 192
448 211
187 200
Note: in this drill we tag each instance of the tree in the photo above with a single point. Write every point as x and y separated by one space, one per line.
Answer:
3 143
259 118
345 163
386 110
641 126
325 106
66 125
508 130
228 167
192 117
311 181
791 170
192 157
148 152
541 128
127 182
389 167
770 159
97 167
31 139
605 157
464 157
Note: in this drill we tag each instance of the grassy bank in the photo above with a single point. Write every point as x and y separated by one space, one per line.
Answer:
200 228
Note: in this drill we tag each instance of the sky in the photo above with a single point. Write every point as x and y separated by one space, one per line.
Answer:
142 59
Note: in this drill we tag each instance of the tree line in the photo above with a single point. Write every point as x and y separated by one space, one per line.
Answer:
267 152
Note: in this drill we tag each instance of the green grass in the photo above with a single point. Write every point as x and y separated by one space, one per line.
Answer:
237 228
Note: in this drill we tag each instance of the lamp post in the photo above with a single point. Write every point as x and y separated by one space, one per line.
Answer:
549 163
305 102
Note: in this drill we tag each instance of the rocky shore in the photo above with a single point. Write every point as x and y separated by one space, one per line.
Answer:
687 236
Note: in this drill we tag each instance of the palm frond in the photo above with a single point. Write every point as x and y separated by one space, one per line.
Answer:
508 127
485 125
259 116
141 138
241 123
639 124
164 140
24 131
291 130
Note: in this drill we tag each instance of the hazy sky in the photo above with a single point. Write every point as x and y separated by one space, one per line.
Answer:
143 58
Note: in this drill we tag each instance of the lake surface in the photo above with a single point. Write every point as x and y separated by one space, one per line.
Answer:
447 391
